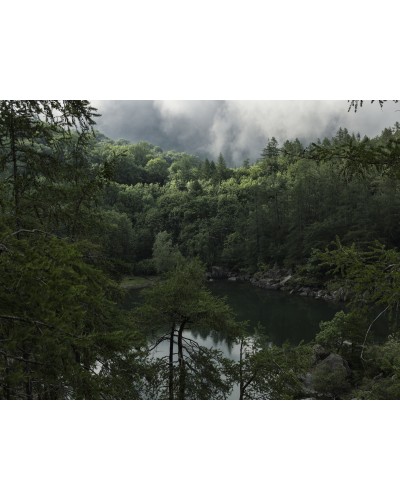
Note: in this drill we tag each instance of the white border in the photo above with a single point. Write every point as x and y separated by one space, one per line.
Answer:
207 50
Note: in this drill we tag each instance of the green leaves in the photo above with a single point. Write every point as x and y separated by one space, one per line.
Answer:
360 158
371 274
166 256
180 302
358 104
57 314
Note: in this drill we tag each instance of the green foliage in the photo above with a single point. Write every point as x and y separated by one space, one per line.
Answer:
358 104
30 135
372 275
181 301
333 333
76 208
184 295
116 235
58 320
278 210
266 371
310 273
271 150
331 382
345 329
166 256
61 333
382 376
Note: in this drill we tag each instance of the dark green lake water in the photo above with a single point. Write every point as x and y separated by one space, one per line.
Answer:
284 317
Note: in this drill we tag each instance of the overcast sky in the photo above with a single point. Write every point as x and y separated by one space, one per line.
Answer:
238 129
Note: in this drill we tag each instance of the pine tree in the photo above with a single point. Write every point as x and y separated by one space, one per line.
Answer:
271 150
172 306
24 125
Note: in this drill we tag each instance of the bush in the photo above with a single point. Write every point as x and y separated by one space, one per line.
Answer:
145 267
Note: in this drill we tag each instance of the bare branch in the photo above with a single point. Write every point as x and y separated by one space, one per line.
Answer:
159 341
369 328
26 320
16 358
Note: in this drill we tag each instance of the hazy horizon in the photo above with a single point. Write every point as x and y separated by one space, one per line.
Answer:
237 129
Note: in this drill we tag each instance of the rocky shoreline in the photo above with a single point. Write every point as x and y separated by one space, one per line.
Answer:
278 279
326 367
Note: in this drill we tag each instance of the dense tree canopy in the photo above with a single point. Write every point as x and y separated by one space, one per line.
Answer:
78 211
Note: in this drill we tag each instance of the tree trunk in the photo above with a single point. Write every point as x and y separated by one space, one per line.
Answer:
15 170
241 388
6 387
171 364
182 369
27 370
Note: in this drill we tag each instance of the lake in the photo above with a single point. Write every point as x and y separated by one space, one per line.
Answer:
284 317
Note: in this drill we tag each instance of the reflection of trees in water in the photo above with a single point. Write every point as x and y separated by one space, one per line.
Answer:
202 333
207 336
210 337
217 338
284 317
181 367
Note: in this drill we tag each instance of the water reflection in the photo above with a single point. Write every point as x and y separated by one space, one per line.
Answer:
213 339
283 317
208 339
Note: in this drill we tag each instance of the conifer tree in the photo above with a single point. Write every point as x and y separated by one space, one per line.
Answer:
24 124
171 307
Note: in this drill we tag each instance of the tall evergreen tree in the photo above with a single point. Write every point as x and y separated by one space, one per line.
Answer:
26 124
179 303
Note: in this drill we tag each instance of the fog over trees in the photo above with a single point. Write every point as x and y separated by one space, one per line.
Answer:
238 129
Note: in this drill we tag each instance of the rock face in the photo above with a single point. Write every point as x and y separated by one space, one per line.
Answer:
273 279
285 280
278 279
218 273
330 377
335 362
319 353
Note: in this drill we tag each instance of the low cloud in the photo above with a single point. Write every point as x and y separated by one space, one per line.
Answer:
238 129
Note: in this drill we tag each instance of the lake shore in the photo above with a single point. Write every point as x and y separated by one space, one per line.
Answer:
280 279
138 282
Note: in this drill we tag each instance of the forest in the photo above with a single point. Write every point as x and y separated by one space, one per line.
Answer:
82 214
